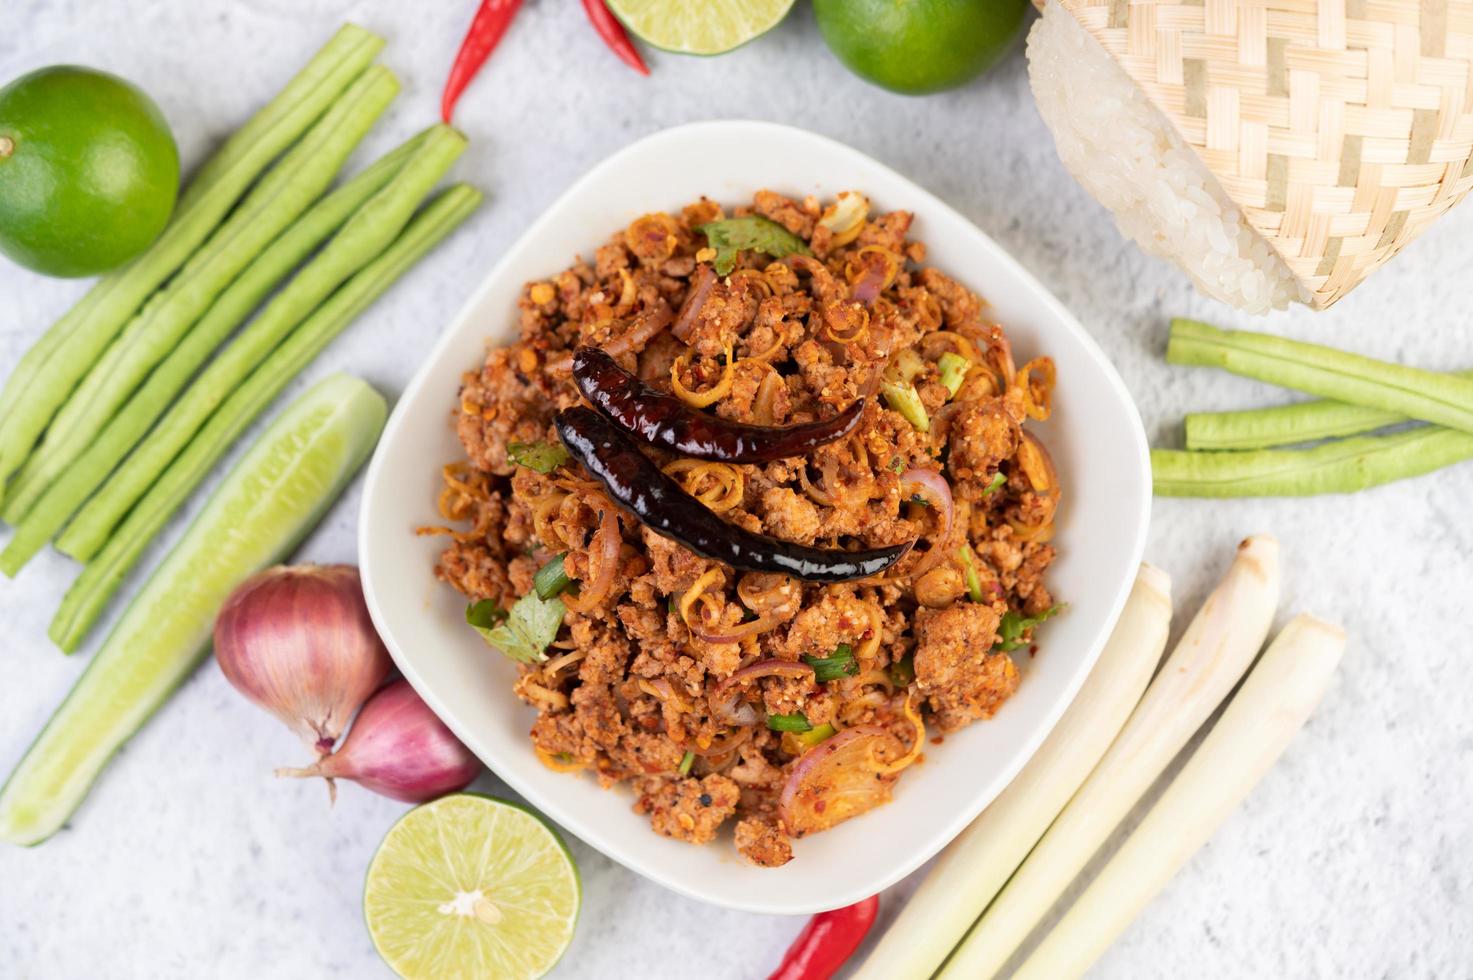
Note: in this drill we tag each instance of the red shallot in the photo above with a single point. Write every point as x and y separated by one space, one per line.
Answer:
298 641
933 488
398 748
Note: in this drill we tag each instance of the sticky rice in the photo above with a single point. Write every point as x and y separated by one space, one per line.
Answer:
1126 153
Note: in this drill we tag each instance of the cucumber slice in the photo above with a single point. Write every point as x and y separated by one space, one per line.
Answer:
261 510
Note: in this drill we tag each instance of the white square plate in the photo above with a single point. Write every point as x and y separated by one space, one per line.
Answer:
1095 437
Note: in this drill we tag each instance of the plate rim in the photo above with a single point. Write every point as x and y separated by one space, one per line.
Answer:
590 831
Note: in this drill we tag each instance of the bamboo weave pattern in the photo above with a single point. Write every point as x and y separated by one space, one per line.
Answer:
1341 128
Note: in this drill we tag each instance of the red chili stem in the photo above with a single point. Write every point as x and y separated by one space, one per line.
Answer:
827 941
614 35
492 19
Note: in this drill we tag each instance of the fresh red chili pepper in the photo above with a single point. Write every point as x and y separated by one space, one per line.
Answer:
492 19
635 483
663 420
827 941
614 35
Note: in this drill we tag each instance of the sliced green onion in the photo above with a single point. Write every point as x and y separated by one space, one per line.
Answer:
551 579
795 722
839 664
995 484
686 761
544 457
903 399
811 738
1014 624
954 370
485 614
969 572
903 671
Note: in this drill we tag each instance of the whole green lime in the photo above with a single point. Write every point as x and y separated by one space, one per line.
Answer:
88 171
919 46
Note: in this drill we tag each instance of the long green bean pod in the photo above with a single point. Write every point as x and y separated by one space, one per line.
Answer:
48 373
290 187
82 479
1343 466
1431 396
101 578
367 233
1264 428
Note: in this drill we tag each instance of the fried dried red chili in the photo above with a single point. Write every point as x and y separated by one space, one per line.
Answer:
663 420
635 483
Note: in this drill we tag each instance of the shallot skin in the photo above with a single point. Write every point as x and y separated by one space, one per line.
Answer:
398 748
298 641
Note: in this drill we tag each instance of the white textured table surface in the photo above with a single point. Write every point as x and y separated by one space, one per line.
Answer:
1354 858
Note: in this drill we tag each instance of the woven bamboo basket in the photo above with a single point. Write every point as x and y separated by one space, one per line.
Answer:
1341 128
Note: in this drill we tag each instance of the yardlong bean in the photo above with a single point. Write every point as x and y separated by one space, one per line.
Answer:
82 479
287 190
367 233
91 591
1431 396
46 376
1264 428
1342 466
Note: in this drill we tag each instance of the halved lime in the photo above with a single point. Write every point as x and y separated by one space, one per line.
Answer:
699 26
470 886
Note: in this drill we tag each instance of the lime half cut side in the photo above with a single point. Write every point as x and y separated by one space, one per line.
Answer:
471 887
700 26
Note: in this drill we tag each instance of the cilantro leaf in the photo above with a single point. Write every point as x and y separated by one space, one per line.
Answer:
544 457
522 634
1014 624
752 233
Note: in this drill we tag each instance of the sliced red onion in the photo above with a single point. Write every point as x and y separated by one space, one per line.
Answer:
937 492
841 772
695 299
766 668
603 558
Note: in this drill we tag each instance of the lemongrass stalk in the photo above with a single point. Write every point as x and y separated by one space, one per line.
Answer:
1270 708
49 372
280 197
974 866
1431 396
1285 425
1343 466
1207 662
